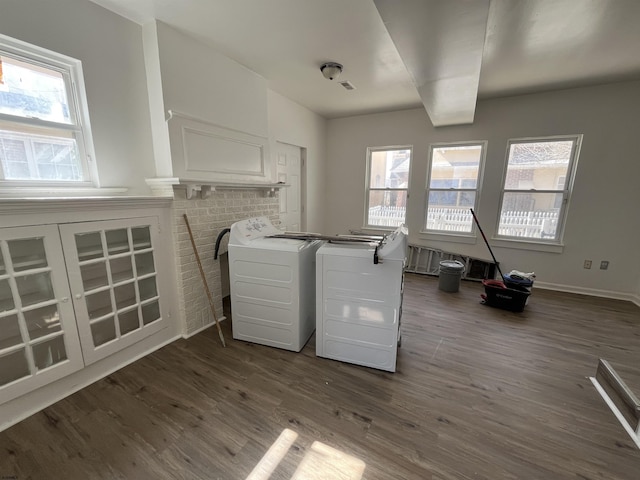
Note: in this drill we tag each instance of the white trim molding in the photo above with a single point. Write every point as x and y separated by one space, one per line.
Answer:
24 206
593 292
188 335
216 154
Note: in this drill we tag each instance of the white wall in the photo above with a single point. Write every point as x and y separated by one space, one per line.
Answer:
200 82
110 49
291 123
603 223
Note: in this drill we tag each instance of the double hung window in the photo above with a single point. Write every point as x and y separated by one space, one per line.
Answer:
453 185
537 186
387 186
44 124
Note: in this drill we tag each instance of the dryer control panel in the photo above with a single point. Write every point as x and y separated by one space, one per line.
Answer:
394 245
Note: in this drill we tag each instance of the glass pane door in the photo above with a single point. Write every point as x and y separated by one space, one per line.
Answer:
113 275
38 338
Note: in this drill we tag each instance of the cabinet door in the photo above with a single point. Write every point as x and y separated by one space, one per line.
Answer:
38 336
113 277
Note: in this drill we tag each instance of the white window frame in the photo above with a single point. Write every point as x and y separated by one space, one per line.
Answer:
79 128
566 192
369 188
472 234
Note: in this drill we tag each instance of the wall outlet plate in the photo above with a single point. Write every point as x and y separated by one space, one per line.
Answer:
587 264
604 264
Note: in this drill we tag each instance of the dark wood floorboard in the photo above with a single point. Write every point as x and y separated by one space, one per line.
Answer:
480 393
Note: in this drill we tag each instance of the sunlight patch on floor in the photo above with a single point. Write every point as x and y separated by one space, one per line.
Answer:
324 462
321 462
274 456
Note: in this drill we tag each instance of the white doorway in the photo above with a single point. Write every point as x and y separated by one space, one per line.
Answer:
290 170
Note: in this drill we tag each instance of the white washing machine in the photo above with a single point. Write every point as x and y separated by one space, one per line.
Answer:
359 302
272 282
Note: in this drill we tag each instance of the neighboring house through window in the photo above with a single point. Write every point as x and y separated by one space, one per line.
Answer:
453 185
537 187
387 186
45 138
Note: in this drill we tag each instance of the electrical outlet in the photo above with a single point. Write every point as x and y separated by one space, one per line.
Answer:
587 264
604 264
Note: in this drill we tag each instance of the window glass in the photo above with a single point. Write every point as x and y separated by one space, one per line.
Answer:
387 186
536 187
42 137
452 186
33 91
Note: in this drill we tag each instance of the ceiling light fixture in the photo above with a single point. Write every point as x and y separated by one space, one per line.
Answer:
331 70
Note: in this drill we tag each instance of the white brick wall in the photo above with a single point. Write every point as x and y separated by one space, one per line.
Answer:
208 218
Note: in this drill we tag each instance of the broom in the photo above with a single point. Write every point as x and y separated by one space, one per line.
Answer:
204 280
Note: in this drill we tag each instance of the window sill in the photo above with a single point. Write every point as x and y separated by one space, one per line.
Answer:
448 237
528 245
381 230
47 205
58 192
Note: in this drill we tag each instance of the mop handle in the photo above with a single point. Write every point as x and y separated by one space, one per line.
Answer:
487 243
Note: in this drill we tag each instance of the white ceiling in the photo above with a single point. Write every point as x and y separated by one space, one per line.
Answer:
518 46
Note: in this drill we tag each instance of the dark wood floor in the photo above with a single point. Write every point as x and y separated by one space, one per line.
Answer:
480 393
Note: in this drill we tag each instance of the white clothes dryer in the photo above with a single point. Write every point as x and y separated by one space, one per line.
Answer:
272 282
359 302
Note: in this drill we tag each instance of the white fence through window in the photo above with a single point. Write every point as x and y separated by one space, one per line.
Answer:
386 216
537 224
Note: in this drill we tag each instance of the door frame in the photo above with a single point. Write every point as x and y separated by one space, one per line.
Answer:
303 179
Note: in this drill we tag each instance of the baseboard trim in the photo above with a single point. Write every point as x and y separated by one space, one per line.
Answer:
201 329
83 384
593 292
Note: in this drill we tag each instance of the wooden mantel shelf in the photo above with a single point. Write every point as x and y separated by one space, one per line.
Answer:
164 186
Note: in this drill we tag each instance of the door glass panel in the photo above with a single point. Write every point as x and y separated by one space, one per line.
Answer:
49 352
103 331
6 299
89 245
125 295
9 332
128 321
27 254
35 288
99 304
42 321
147 288
117 241
144 263
141 238
13 366
3 269
150 312
94 275
121 269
